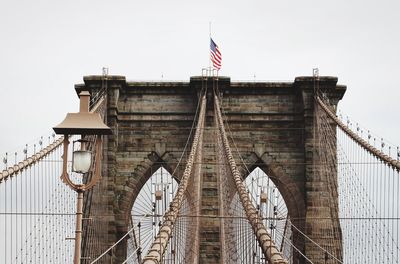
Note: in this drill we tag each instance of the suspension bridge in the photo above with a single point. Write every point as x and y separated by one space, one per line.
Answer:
208 171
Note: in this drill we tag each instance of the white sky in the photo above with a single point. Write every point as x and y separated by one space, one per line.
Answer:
47 46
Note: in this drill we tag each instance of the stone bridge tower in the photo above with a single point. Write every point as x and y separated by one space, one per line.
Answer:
272 124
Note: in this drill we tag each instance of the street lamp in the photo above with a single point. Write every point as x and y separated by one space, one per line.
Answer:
83 123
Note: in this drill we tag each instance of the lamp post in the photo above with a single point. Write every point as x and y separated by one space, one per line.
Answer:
83 123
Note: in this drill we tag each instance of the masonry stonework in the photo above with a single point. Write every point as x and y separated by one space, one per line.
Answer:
272 124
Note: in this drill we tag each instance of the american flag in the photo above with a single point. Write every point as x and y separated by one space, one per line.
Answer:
216 56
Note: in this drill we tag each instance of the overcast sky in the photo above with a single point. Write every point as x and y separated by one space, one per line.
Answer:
48 46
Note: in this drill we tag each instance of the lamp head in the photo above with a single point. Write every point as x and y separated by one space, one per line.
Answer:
83 122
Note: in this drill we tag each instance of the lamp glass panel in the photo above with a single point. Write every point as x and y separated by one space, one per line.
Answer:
82 161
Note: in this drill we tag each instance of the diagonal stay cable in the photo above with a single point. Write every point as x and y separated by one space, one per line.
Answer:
116 243
315 243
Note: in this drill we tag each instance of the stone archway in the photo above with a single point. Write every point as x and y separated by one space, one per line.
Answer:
288 188
126 195
140 175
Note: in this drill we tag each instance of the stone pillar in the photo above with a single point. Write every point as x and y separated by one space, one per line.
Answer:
322 224
105 194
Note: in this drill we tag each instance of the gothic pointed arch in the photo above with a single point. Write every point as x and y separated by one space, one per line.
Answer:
288 188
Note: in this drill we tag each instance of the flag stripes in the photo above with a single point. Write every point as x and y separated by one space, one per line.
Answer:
216 56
